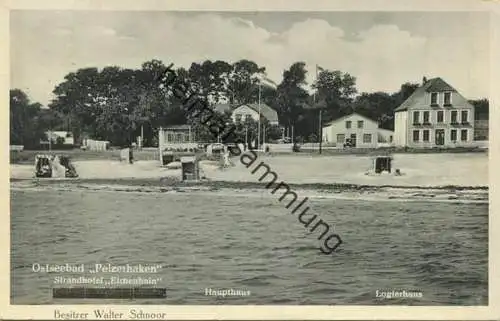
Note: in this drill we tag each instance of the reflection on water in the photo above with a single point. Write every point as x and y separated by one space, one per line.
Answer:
253 243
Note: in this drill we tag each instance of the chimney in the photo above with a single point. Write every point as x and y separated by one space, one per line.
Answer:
424 80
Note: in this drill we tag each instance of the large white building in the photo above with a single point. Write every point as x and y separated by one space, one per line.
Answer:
435 115
360 131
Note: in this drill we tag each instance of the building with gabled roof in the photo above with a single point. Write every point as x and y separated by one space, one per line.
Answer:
242 111
435 115
357 131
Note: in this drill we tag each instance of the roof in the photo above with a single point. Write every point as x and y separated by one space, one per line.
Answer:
221 108
269 113
432 85
266 111
176 127
346 116
58 133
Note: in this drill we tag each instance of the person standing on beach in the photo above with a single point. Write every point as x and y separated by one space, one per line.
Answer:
130 154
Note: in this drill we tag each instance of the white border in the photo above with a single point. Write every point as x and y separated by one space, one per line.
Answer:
267 312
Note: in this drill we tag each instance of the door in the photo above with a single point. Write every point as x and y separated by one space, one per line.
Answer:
439 137
353 140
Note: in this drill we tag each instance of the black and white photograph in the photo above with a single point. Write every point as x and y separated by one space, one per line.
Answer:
291 158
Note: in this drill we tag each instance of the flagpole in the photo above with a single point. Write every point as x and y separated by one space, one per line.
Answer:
314 92
258 129
320 134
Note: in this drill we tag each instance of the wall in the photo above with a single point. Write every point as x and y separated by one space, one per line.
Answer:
385 136
404 122
339 127
243 111
280 147
446 126
481 130
400 128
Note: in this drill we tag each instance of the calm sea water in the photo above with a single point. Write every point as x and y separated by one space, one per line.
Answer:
251 242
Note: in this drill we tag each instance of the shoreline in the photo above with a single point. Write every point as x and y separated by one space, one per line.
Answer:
323 192
170 181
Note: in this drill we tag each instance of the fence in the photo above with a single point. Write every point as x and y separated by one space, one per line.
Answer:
95 145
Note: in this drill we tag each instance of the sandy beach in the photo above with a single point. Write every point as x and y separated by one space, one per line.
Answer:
426 170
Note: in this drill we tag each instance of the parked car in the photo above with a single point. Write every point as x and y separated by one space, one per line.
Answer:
348 143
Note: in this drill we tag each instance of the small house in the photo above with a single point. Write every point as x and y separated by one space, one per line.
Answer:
356 131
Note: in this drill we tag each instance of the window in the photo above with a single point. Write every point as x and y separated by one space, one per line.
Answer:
348 124
434 98
340 138
463 135
248 117
426 136
426 117
415 117
367 138
360 124
447 99
390 139
453 135
440 116
465 114
237 117
415 135
453 116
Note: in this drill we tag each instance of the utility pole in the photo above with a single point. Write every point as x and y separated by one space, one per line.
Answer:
160 145
320 131
258 128
142 136
263 135
246 137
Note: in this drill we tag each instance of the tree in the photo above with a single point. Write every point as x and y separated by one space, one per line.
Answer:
115 104
243 83
291 95
337 89
404 92
79 97
378 106
481 108
26 125
210 79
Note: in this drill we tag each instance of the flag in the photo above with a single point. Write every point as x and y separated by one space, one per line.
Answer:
318 70
267 82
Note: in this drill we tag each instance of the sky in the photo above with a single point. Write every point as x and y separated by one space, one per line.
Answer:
381 49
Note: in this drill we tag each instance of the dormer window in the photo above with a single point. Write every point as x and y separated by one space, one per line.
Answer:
434 99
447 99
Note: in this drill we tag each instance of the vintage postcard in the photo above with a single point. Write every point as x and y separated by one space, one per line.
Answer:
248 162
